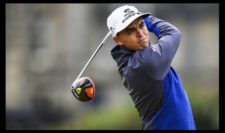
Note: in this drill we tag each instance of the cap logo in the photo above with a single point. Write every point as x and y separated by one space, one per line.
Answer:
112 30
128 13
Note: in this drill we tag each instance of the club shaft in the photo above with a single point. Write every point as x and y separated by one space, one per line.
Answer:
92 56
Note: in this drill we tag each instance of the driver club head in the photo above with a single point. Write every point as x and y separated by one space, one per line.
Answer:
84 89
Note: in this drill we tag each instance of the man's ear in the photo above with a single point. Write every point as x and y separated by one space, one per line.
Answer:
117 40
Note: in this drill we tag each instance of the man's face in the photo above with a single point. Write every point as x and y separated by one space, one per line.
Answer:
135 36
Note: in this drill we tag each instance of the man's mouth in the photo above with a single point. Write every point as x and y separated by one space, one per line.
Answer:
142 41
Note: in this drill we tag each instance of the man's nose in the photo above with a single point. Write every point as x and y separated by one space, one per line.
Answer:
139 32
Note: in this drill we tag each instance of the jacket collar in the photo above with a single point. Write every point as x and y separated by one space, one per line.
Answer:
121 56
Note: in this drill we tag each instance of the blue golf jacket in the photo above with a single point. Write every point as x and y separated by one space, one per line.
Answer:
154 86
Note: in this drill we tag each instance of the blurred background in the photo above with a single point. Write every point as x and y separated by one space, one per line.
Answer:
47 45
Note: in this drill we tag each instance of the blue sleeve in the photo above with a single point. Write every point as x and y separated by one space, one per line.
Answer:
156 58
151 27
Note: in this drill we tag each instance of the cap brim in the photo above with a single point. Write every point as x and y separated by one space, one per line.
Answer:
143 15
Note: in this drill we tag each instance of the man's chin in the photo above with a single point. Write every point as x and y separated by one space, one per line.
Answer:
140 48
145 45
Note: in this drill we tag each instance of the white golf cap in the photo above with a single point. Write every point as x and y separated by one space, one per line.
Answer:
121 17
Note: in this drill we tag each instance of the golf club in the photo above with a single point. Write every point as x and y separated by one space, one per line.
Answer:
84 88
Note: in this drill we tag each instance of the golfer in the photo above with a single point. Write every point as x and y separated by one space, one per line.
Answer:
146 71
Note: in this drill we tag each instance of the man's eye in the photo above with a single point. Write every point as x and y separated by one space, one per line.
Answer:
142 25
130 31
